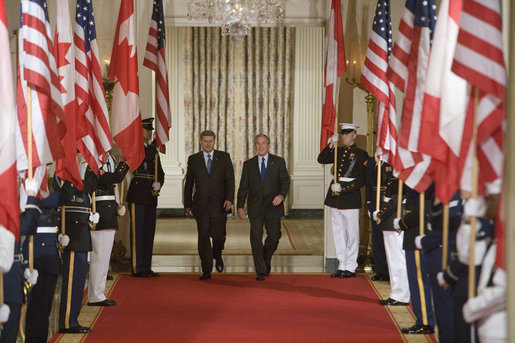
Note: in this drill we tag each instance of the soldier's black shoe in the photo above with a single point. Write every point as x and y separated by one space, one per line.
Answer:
109 277
260 277
205 276
219 264
380 277
418 330
348 274
152 273
76 329
392 302
140 274
106 302
339 273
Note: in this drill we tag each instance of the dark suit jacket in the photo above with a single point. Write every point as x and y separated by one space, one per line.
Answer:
261 194
211 190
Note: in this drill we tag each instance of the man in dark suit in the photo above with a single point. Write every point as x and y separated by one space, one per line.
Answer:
265 181
211 172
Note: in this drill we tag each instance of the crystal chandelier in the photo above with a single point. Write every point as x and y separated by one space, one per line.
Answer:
236 16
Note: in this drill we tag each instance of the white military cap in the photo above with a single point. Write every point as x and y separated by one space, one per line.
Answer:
348 127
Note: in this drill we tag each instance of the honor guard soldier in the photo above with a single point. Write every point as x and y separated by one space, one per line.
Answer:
48 264
142 198
78 221
14 279
344 197
393 240
102 237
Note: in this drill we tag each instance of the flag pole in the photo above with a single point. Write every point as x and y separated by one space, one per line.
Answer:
155 193
445 236
29 171
335 165
417 260
473 219
378 191
399 199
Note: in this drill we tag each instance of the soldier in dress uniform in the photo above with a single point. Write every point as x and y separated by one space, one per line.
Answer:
378 248
14 279
48 263
78 222
393 240
142 198
431 244
102 237
346 203
410 223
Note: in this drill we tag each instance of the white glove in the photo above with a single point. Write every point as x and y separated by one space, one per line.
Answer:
63 240
6 250
336 187
333 139
463 245
5 311
32 278
396 224
474 207
94 217
121 210
156 186
374 216
418 241
31 187
440 279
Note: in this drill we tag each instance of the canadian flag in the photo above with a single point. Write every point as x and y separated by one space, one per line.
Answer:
126 118
9 209
67 168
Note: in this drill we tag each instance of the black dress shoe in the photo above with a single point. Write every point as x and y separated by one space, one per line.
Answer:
380 277
418 330
76 329
392 302
347 274
260 277
109 277
106 302
339 273
205 276
152 273
140 274
219 264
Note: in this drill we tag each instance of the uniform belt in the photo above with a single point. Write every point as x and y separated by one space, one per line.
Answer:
374 188
77 209
454 203
105 198
347 179
47 229
18 258
144 176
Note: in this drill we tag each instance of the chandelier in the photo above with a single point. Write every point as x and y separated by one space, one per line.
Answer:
236 16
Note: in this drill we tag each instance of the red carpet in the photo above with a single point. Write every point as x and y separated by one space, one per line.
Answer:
236 308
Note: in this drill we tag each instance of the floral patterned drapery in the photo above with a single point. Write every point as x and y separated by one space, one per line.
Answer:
239 89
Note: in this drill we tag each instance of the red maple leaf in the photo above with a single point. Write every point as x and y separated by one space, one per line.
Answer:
127 68
61 49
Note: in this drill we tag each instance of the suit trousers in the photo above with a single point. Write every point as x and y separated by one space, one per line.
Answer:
346 237
143 230
39 307
210 228
102 242
75 269
416 298
263 253
396 266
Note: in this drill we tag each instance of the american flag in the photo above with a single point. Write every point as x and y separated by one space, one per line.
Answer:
37 67
479 60
155 60
374 79
93 114
408 67
334 68
67 168
9 210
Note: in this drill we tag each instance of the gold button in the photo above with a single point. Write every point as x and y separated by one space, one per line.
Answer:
43 244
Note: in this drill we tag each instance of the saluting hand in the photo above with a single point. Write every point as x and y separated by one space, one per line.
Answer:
278 200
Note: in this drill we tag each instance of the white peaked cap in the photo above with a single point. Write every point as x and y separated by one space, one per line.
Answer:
348 126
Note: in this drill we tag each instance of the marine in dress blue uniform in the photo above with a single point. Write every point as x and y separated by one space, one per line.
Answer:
142 199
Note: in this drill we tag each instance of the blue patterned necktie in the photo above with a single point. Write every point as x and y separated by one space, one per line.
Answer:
263 169
209 163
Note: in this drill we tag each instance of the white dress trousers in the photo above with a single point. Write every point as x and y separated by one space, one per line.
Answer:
346 237
396 258
102 242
